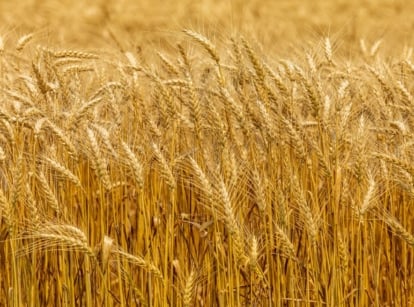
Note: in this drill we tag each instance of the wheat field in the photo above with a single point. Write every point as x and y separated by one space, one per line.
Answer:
206 153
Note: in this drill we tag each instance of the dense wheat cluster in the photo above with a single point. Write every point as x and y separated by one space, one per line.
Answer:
182 168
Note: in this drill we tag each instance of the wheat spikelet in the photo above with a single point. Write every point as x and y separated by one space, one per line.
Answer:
328 50
257 65
38 126
323 164
195 102
138 261
395 161
312 93
283 89
205 184
309 220
253 254
234 107
189 289
311 62
62 170
185 64
239 60
406 96
259 190
48 193
134 164
367 202
342 89
363 47
327 104
17 191
8 128
7 213
401 126
131 59
297 142
106 139
29 113
409 65
343 255
398 228
62 62
375 47
176 82
23 41
208 46
166 94
73 153
165 169
99 161
72 54
2 154
381 80
19 97
80 113
76 69
169 66
196 110
283 242
35 219
266 119
106 88
232 225
57 237
40 80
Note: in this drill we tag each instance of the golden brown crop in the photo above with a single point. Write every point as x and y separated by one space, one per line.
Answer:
255 165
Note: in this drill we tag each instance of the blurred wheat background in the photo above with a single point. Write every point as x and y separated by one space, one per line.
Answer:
206 153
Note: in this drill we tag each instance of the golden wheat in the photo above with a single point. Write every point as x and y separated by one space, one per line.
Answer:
162 169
